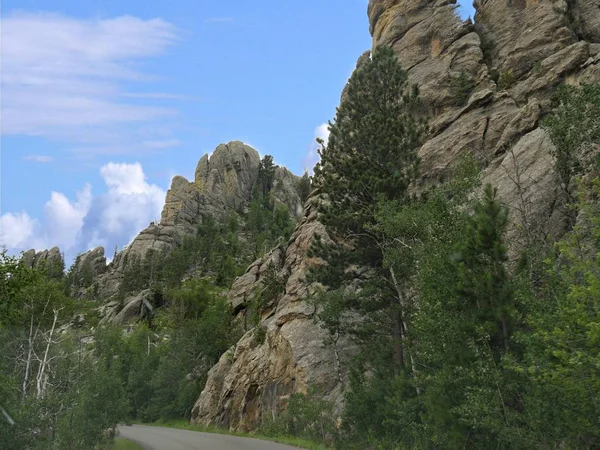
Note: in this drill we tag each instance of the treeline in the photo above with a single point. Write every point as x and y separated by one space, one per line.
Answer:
461 342
52 395
64 385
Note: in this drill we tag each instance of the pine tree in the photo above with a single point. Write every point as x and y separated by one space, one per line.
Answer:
484 283
371 156
266 177
304 186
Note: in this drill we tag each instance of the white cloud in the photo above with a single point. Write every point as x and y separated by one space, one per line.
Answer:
16 229
129 204
312 157
64 219
39 158
65 78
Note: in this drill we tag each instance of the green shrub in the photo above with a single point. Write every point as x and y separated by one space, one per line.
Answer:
308 416
487 47
260 334
462 87
507 80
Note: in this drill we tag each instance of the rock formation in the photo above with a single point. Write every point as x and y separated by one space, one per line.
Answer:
93 259
129 310
254 378
223 182
51 260
515 55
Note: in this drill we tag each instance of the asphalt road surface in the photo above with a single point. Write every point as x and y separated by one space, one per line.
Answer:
158 438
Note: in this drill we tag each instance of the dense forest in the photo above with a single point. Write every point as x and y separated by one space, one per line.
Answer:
465 339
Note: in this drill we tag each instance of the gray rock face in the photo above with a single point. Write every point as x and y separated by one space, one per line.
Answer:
520 34
537 41
51 260
94 259
256 378
123 313
224 181
585 14
229 175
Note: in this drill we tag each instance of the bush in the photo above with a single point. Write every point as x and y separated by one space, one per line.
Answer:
308 416
507 80
462 87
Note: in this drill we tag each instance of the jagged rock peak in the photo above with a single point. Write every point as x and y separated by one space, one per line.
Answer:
52 260
224 181
229 173
93 260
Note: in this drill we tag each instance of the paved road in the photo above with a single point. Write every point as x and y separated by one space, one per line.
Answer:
158 438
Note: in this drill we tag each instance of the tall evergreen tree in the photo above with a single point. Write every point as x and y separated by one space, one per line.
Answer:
371 156
266 176
484 284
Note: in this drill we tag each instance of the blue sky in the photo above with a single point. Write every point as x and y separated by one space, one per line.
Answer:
104 101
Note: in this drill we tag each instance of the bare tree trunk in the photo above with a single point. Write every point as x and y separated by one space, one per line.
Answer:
397 340
400 329
6 416
41 377
337 358
29 356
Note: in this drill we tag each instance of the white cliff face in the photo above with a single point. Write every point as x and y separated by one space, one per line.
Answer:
534 44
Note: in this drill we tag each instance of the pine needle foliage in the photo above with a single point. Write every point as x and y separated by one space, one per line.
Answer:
371 156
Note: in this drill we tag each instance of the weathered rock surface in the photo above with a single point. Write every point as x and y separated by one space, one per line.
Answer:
256 378
93 259
123 313
543 44
51 260
223 182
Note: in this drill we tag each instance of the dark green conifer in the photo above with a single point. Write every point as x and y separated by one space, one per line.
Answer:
371 156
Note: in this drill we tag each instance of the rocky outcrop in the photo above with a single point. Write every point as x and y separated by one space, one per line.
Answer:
229 175
93 261
515 55
129 310
256 377
50 260
223 182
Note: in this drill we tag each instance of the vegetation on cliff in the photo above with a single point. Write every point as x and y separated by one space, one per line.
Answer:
459 346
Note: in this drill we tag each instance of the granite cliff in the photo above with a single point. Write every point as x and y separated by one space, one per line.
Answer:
485 86
223 182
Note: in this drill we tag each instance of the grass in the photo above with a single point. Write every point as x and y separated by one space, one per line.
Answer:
289 440
125 444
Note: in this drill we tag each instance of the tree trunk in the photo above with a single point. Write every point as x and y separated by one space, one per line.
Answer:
42 377
400 325
397 341
29 356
